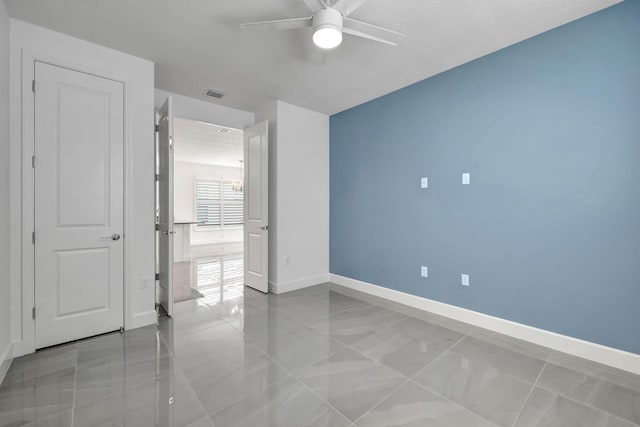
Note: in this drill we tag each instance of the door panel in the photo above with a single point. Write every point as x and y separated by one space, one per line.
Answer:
255 176
75 293
83 156
256 219
254 258
166 230
79 220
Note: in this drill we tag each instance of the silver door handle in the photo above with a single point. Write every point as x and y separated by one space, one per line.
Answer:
114 236
264 228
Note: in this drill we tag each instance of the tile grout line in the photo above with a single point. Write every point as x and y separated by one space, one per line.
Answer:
587 405
533 387
184 377
294 376
75 384
177 363
408 378
124 389
451 401
449 351
291 373
382 400
269 358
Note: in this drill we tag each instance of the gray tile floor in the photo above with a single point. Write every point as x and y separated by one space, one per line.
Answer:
321 356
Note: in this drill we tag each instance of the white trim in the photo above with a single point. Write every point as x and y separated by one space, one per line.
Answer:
29 58
280 288
143 319
584 349
5 361
29 44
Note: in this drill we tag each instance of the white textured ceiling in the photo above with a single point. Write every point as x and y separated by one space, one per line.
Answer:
196 44
208 144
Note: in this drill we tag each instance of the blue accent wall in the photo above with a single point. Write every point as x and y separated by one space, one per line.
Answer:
549 229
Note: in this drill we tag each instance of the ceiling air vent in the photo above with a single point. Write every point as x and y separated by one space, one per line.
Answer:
215 93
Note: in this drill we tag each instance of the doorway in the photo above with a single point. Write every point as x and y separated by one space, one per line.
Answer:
208 214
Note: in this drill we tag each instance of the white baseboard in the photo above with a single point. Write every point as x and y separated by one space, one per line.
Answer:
143 319
137 321
6 357
280 288
584 349
18 349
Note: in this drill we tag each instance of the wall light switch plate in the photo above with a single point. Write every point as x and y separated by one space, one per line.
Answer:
466 178
464 279
424 182
424 271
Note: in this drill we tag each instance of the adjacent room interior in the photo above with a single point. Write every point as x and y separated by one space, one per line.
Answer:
208 213
319 213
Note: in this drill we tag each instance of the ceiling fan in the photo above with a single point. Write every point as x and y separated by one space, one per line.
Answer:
329 21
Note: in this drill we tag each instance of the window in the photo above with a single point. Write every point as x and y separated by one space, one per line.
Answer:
218 204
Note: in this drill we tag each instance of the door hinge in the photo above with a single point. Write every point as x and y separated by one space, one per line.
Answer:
33 313
157 276
33 161
33 86
33 237
157 177
157 128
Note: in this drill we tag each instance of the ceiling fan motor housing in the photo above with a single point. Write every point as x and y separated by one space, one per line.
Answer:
327 18
327 28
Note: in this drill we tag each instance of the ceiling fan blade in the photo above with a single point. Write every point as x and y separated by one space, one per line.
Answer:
315 5
368 36
283 24
372 31
347 7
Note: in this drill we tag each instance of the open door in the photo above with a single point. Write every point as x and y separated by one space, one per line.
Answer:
165 204
256 218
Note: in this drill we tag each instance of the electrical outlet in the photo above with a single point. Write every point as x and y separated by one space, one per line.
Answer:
464 279
466 178
424 182
424 271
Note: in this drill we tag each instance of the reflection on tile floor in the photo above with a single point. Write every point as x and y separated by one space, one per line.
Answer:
214 279
321 356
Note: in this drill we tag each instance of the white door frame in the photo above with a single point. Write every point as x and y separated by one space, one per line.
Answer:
29 57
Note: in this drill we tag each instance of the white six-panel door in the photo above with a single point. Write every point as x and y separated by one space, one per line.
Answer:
79 219
256 207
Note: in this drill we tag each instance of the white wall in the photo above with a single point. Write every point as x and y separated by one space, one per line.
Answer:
298 196
184 175
29 42
195 109
5 300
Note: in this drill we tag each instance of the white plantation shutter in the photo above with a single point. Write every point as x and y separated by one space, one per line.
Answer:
233 205
218 204
208 203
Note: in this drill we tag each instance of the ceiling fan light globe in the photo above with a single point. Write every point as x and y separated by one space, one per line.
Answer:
327 37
